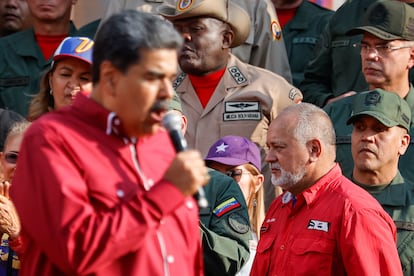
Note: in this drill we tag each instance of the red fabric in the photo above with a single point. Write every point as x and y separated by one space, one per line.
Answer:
204 86
83 205
335 228
49 43
285 15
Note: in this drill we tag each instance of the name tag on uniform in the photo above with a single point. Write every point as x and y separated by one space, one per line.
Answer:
304 40
343 139
14 81
340 43
239 111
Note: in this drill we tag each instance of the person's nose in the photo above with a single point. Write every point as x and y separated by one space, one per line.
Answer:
166 90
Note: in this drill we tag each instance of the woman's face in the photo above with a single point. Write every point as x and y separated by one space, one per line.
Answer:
69 77
10 154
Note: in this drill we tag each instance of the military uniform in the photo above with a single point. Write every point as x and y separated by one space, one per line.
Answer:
335 67
301 34
264 47
225 226
339 112
244 102
398 201
21 67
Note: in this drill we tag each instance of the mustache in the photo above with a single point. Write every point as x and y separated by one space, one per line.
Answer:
275 166
160 105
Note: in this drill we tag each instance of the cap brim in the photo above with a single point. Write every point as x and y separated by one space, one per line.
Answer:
374 31
227 161
376 115
62 56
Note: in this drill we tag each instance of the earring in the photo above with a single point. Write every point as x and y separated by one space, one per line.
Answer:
51 92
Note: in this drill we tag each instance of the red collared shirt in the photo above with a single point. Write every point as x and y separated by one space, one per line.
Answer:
334 228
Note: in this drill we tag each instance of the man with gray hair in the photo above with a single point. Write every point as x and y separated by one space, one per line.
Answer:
322 224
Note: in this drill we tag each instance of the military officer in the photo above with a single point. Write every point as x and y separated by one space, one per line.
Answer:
381 121
387 54
220 94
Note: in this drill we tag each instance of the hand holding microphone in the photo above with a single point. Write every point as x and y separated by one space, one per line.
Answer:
188 167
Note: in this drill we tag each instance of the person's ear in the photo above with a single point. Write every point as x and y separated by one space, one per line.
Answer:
228 37
314 147
108 77
405 142
259 182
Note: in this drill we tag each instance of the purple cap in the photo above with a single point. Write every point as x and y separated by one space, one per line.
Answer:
235 151
75 47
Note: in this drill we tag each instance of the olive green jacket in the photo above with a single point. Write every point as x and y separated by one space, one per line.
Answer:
225 226
301 34
397 199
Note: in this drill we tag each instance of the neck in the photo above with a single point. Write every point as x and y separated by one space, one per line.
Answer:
286 4
52 28
400 88
374 177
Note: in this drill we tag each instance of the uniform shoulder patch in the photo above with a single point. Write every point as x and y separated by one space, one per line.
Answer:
276 30
238 223
295 95
237 75
226 206
178 80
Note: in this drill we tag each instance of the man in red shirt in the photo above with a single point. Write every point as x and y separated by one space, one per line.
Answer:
323 224
100 190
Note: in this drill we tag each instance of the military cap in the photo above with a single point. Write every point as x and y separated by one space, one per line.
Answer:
387 20
224 10
388 108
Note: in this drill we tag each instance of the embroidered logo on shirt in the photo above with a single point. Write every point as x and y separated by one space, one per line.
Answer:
237 111
226 206
318 225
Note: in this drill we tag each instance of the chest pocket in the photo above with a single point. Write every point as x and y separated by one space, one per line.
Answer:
316 253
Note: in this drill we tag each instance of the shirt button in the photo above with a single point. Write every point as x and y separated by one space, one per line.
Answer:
190 204
282 247
170 259
120 193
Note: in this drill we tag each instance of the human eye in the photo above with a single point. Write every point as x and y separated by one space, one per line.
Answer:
383 48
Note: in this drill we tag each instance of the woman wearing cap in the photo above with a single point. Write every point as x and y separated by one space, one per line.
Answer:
9 221
70 73
240 158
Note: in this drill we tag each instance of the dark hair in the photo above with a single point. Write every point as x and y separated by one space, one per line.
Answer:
122 37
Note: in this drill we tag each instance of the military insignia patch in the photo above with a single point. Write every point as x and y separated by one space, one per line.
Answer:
238 223
178 80
183 5
237 75
372 98
295 96
226 206
276 30
239 111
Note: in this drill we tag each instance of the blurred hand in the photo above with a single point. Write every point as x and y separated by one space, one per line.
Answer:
188 172
4 188
347 94
9 220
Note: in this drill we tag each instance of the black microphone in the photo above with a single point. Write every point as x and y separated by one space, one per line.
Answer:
172 123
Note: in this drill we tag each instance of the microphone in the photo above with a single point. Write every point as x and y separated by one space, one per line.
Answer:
172 123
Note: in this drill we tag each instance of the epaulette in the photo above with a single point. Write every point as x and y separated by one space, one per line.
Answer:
178 80
237 75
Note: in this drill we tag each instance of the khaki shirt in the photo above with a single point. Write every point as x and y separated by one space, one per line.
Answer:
245 101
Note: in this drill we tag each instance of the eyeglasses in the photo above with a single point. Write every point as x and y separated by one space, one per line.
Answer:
379 50
236 174
11 157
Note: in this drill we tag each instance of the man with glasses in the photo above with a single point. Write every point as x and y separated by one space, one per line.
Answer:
387 54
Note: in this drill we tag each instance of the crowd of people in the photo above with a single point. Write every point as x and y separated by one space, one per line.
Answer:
293 121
